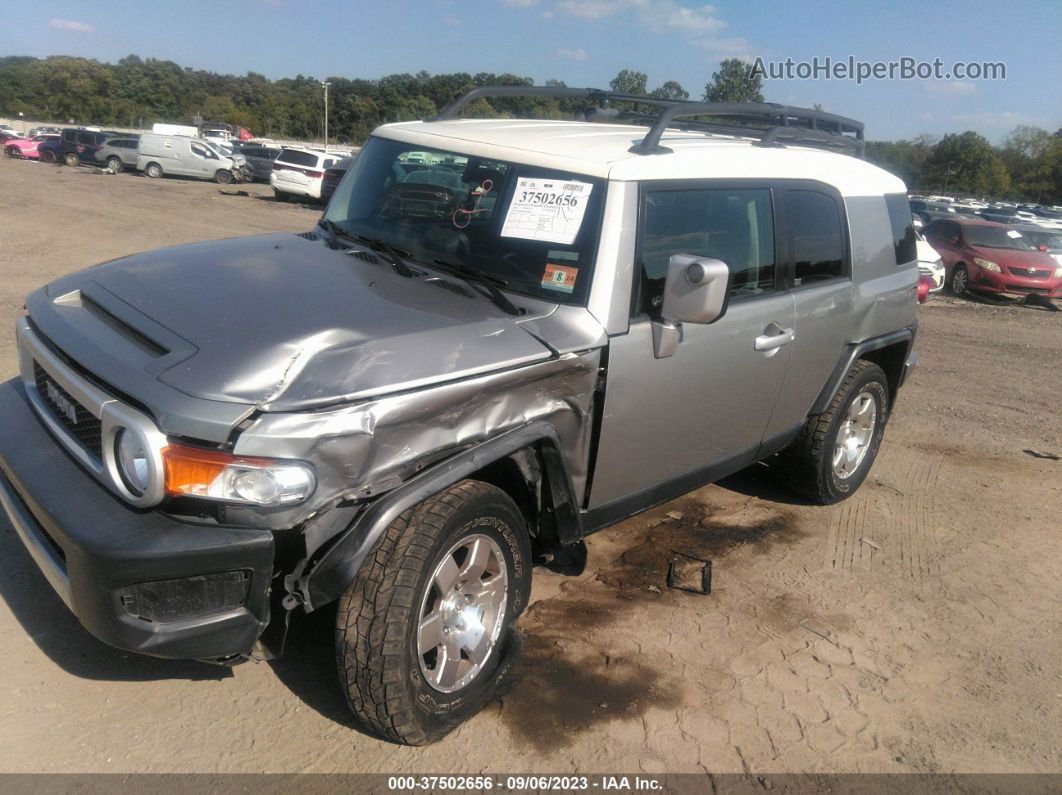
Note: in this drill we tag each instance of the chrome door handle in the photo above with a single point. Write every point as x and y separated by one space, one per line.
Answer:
770 342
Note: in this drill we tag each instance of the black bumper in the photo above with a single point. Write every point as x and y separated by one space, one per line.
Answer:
113 564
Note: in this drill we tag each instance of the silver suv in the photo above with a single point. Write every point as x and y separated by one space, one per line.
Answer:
502 336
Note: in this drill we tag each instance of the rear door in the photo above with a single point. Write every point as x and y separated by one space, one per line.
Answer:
672 423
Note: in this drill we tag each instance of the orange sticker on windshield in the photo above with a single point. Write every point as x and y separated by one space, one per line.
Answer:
559 277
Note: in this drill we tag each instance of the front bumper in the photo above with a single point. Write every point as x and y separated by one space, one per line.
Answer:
1014 283
137 580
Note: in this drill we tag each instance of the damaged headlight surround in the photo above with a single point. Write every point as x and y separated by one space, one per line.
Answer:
245 480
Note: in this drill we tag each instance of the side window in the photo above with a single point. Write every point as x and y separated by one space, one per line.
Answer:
815 232
903 234
199 150
731 224
86 138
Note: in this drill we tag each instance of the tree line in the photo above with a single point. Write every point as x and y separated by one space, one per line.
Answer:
136 92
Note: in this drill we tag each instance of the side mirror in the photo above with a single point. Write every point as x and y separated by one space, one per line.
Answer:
696 289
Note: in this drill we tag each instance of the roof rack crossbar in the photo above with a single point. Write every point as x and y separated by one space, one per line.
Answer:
777 122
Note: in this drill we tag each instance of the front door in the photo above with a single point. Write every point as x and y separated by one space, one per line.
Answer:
681 418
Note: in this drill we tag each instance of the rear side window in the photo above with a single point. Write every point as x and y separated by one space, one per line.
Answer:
903 234
297 158
86 138
815 232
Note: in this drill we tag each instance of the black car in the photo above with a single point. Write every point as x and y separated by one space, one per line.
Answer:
78 145
930 210
332 176
259 158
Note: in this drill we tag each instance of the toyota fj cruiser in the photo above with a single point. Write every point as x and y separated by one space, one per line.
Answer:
501 336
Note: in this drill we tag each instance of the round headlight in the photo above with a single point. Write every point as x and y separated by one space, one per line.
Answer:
132 459
258 486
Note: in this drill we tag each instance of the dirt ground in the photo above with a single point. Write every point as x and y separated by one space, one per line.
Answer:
916 627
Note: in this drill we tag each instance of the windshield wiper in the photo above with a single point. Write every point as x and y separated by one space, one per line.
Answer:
334 232
392 254
487 281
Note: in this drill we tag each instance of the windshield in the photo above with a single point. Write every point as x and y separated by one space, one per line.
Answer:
1053 240
533 228
997 237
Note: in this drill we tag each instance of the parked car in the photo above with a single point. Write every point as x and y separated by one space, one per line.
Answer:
79 145
298 172
929 210
993 258
930 263
44 131
166 155
399 411
27 147
118 154
1048 241
259 159
7 129
333 174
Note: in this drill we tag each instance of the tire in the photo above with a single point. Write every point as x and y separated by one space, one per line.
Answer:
48 156
280 195
960 280
379 636
13 151
810 463
71 159
222 176
153 170
115 165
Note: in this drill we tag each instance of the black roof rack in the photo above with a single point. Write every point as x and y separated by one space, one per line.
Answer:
768 122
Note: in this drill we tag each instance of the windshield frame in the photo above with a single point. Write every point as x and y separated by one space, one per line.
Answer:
514 257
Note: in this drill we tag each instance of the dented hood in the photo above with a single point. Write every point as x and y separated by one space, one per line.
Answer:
284 323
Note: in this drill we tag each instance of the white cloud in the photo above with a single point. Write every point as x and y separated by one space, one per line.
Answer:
572 55
71 24
956 87
519 3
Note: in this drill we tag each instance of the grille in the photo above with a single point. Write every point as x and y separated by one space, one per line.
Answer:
1020 288
122 327
85 428
1025 272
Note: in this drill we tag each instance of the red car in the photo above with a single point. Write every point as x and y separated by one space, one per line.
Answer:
27 147
993 258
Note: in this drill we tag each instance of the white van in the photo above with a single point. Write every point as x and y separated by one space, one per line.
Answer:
183 157
298 172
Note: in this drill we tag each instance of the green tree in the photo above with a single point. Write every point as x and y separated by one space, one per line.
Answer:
734 82
671 90
966 163
630 82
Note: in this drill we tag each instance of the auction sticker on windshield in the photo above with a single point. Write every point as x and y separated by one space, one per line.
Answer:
547 209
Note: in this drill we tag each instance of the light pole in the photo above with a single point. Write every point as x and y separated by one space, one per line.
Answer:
326 84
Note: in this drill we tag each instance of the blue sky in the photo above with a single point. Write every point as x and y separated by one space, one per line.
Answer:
586 42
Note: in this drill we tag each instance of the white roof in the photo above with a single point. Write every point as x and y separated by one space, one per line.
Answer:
602 150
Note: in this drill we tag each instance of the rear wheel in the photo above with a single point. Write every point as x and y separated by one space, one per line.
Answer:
153 170
13 151
114 165
421 632
833 453
70 158
223 176
960 280
280 195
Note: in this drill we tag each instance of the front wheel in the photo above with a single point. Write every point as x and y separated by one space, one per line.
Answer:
833 453
48 156
420 634
960 280
70 159
223 176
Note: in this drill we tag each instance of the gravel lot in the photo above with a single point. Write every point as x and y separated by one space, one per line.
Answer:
916 627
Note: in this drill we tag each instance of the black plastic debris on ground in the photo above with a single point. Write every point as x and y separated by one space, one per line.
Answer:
688 573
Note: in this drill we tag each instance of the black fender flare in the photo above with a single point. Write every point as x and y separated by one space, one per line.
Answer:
327 578
849 357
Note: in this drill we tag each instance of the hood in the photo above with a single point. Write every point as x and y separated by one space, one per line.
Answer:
284 323
1008 256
